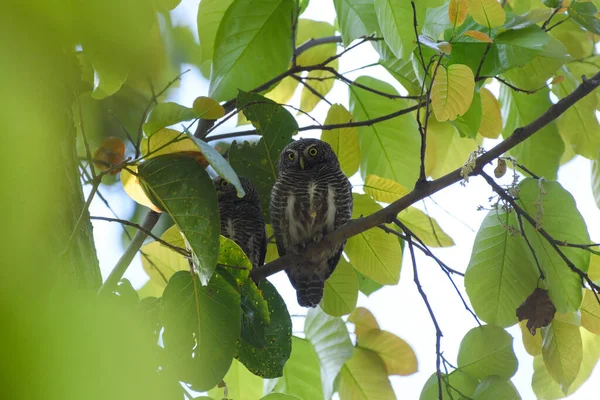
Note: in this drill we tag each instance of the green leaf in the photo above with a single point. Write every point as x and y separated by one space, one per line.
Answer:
330 340
108 76
492 388
542 67
532 344
574 38
469 123
301 373
279 396
364 377
166 114
367 286
165 5
356 18
540 153
579 124
544 385
247 55
383 151
436 22
343 141
276 126
446 150
425 227
501 273
210 14
454 385
268 362
393 16
584 14
374 253
341 290
562 350
201 327
181 187
487 350
402 70
558 215
241 384
399 358
219 164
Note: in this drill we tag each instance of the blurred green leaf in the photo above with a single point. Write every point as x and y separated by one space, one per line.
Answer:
383 151
455 384
344 141
276 126
487 350
301 373
492 388
268 362
446 149
241 384
555 210
356 18
166 114
398 356
201 327
364 377
562 351
181 187
210 15
501 273
246 56
330 339
584 14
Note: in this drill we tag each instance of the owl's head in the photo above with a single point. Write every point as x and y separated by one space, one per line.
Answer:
306 155
227 192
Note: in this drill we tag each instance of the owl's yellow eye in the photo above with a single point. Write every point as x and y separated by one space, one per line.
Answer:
312 151
291 155
224 183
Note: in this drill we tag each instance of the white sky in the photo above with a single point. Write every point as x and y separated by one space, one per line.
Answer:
398 309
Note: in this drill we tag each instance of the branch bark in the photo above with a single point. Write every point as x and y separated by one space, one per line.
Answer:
427 188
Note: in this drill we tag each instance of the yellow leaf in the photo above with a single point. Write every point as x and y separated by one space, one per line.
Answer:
341 290
446 150
487 13
425 227
272 253
383 189
594 270
533 344
482 37
364 377
309 29
363 320
344 141
160 262
590 312
452 91
445 47
457 12
322 83
397 355
167 141
283 92
208 108
131 185
491 117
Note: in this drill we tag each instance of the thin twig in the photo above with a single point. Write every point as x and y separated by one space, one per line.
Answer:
513 87
311 89
177 249
134 246
438 331
415 26
546 22
86 144
485 53
558 23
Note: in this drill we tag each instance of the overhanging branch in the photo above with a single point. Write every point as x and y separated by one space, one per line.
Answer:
427 188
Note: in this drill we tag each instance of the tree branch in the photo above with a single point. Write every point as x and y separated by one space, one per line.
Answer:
317 42
387 214
134 246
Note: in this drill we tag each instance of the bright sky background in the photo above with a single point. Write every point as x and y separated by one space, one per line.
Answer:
398 309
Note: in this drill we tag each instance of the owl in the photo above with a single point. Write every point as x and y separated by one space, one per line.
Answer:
242 220
310 198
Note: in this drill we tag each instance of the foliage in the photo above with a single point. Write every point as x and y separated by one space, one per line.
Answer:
204 322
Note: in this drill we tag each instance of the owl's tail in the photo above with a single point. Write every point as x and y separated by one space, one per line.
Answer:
309 291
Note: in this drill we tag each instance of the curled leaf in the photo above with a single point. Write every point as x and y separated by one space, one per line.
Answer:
500 169
537 309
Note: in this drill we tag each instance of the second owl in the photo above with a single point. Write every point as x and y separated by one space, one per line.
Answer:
310 198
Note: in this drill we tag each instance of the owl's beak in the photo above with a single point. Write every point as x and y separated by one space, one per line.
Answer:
301 162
